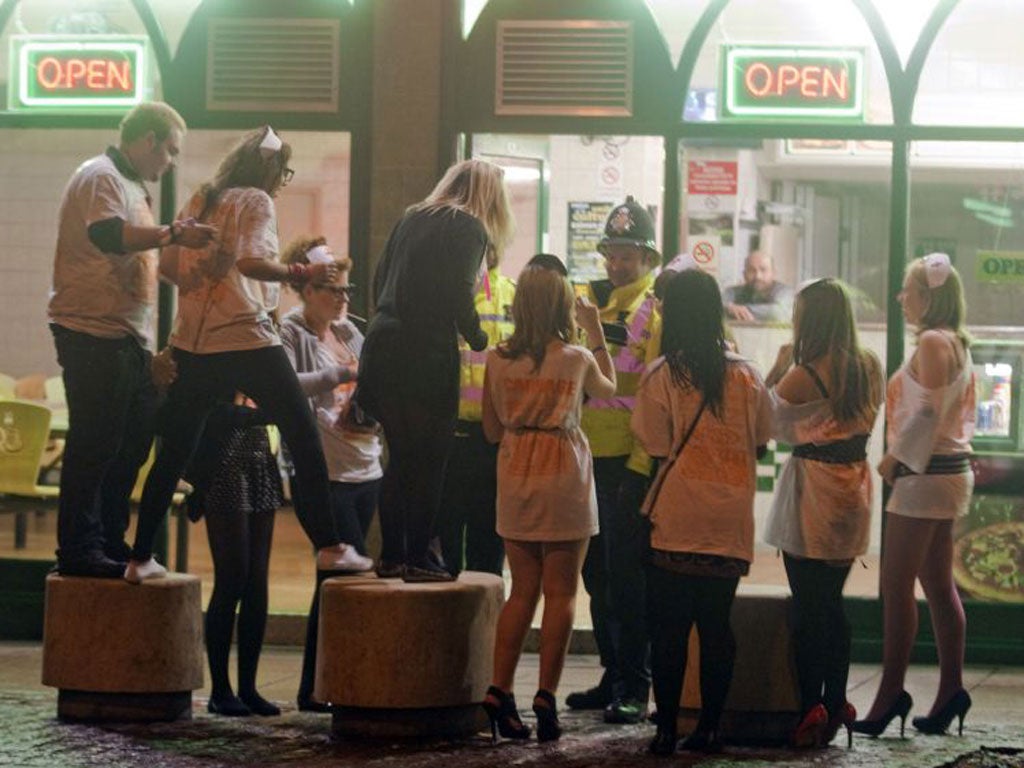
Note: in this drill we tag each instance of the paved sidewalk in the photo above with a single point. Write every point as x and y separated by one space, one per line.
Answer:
31 736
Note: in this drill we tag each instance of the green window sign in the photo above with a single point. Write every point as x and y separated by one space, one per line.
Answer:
67 74
999 267
773 82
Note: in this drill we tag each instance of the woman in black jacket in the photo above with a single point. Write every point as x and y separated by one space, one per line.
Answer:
409 369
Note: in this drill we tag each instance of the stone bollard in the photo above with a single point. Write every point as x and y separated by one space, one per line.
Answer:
117 651
407 660
764 699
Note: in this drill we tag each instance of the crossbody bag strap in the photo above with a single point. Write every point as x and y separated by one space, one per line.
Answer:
666 466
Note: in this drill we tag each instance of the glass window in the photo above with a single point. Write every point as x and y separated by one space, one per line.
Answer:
811 208
85 18
676 19
174 16
563 188
792 23
967 200
974 74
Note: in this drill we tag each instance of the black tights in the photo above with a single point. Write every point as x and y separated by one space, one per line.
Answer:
821 633
675 602
240 544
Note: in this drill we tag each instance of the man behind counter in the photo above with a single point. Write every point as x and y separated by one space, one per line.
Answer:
760 297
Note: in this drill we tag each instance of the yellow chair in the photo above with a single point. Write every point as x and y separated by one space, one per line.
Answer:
54 388
6 386
24 431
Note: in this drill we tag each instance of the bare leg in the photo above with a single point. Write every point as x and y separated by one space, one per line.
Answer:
525 562
907 539
563 561
948 621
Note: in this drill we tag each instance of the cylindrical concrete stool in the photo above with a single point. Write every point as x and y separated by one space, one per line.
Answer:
118 651
404 660
764 699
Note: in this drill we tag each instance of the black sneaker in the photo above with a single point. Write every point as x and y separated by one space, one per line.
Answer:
91 564
625 711
388 569
592 698
425 571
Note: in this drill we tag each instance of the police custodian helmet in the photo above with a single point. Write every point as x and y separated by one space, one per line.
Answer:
630 224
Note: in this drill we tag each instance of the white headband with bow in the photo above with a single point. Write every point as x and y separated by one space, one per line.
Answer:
321 254
271 142
936 269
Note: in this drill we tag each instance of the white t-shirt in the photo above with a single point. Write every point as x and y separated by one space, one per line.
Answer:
219 308
110 295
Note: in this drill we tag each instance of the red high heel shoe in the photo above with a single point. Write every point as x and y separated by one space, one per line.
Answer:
812 728
844 717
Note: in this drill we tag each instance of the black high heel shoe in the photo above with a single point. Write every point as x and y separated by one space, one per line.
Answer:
504 716
937 724
548 728
900 708
228 706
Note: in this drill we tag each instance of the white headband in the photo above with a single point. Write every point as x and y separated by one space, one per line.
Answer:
271 142
936 269
321 254
680 263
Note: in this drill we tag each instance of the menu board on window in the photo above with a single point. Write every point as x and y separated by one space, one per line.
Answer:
586 226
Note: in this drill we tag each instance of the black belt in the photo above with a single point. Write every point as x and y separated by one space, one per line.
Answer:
940 464
847 451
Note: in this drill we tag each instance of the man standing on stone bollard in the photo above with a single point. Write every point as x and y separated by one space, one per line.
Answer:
613 572
101 315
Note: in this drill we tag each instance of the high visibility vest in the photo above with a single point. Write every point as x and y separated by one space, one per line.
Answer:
495 309
632 325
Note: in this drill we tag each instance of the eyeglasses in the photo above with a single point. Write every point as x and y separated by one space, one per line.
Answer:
338 290
287 174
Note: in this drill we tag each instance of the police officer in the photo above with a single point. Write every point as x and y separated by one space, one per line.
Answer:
613 572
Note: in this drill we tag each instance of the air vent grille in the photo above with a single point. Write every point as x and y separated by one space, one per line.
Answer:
273 65
567 67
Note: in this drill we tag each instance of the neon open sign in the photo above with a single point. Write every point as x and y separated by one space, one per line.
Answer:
59 72
767 81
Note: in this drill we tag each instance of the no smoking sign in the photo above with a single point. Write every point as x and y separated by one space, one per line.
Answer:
703 252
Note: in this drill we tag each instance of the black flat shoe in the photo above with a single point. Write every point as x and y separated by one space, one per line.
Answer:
259 706
308 705
227 706
900 708
702 741
424 572
91 565
938 723
663 743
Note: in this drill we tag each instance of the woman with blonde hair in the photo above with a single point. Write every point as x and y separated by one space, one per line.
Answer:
224 341
930 421
547 506
825 404
424 290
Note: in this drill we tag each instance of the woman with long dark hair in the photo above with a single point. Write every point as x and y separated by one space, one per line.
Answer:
826 401
547 505
705 413
224 341
930 410
409 368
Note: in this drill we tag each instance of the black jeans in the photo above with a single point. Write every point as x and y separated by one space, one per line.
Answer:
111 405
419 439
821 633
466 522
266 376
675 602
614 576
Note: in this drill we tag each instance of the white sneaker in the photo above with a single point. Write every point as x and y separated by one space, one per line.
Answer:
137 572
344 558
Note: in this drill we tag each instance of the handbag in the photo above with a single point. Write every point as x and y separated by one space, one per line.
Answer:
666 466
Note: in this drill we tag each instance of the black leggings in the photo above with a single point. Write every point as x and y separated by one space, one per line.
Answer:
675 602
240 545
821 633
266 376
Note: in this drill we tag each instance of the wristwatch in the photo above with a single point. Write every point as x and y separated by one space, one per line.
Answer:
170 234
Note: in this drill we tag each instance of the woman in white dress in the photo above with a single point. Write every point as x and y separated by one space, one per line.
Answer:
546 508
930 422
